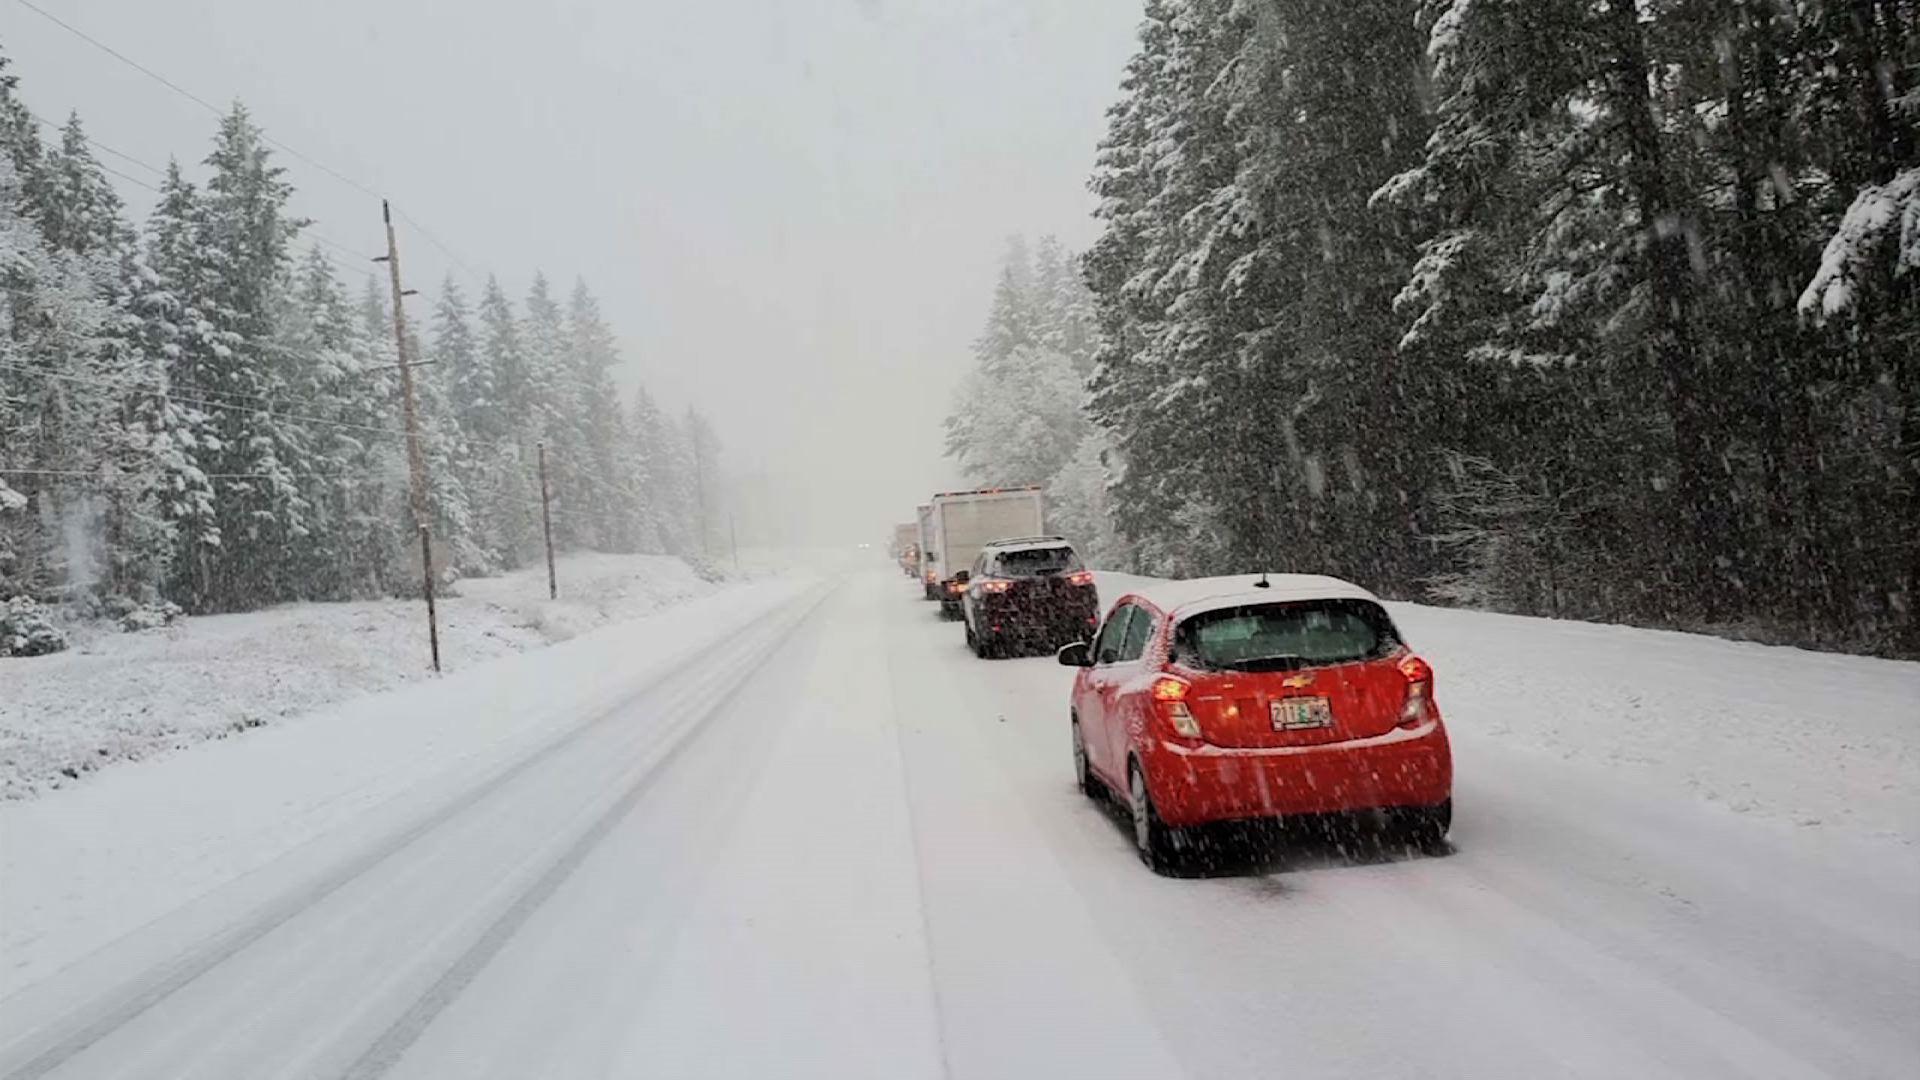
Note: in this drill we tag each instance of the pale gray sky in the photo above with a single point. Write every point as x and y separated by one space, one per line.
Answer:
791 209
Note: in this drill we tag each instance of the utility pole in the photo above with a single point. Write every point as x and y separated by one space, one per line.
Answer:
546 524
416 461
426 581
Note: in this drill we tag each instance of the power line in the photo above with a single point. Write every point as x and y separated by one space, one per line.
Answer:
157 171
95 143
264 137
342 248
478 278
193 396
184 92
209 476
171 389
120 56
111 171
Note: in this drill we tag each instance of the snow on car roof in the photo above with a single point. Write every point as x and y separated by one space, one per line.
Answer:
1194 595
1028 543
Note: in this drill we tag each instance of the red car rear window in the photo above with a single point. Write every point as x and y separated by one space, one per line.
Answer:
1285 636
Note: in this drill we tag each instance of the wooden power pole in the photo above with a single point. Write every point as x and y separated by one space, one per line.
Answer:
546 524
416 460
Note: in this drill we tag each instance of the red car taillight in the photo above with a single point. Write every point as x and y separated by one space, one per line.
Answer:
956 587
1170 701
1419 705
995 585
1080 577
930 577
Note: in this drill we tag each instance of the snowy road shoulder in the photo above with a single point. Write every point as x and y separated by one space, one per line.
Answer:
83 866
117 697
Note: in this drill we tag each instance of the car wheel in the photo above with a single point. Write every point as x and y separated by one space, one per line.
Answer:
1082 772
1425 828
1151 836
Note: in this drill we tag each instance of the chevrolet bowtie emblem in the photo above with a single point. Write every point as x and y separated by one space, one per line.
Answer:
1297 680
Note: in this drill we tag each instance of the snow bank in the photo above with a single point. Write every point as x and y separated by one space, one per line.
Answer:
1802 738
1806 738
82 866
116 697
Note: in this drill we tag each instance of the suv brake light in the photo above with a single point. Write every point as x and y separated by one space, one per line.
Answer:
995 585
1080 577
1419 704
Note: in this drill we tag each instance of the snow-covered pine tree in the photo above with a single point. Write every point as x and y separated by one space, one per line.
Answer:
245 236
176 327
509 505
20 140
480 431
55 398
649 461
1065 307
1013 321
555 409
117 526
49 329
443 446
325 356
1151 131
702 476
610 487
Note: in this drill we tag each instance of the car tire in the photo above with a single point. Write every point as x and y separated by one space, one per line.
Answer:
1153 838
1089 784
973 643
1425 828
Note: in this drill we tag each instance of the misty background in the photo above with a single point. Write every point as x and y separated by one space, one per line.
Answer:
792 210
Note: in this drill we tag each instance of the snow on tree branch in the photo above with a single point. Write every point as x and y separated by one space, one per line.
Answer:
1869 225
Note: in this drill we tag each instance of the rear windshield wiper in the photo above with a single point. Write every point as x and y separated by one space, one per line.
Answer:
1276 662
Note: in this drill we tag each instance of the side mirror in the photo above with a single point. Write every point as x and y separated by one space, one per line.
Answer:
963 577
1075 655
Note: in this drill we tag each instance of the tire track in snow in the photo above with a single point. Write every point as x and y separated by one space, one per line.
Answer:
392 1044
80 1029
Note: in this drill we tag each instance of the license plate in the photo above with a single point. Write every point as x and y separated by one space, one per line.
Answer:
1301 713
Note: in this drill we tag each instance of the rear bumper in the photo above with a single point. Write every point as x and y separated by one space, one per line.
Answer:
1194 785
1056 620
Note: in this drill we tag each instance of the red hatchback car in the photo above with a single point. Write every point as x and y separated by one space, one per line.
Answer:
1229 699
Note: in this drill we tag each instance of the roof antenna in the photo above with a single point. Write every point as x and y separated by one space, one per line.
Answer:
1263 583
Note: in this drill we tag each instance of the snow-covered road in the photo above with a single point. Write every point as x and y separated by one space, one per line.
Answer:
831 843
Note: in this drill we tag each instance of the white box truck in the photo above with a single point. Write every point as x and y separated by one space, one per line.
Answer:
905 548
922 569
963 522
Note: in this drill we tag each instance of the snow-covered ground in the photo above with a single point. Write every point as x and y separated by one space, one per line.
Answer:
81 866
1809 740
117 696
770 834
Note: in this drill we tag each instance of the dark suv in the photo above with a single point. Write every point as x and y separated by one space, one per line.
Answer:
1028 593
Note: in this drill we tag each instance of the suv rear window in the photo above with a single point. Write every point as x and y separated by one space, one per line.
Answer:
1036 562
1286 636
